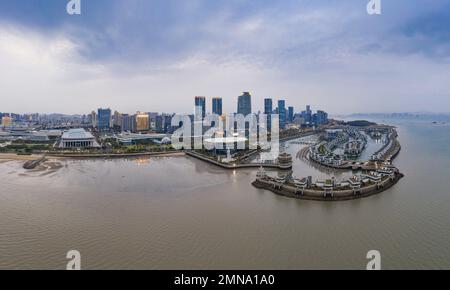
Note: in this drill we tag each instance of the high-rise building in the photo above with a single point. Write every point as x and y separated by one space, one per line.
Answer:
201 102
94 119
321 118
282 113
268 106
6 121
268 109
245 104
159 124
117 120
129 123
142 121
308 117
217 106
104 119
168 124
290 114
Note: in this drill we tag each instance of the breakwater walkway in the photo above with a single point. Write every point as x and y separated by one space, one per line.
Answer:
232 166
335 194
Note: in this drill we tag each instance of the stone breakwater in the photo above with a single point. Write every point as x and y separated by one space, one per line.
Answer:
328 193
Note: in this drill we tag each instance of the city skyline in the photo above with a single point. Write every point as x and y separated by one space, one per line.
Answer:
327 54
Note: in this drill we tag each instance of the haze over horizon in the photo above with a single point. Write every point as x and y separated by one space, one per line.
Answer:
151 56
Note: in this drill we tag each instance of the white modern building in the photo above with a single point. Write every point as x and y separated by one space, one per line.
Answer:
78 138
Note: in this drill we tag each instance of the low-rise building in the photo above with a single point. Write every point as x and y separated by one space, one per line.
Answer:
78 138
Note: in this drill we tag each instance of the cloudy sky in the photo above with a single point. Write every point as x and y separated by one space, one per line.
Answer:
153 55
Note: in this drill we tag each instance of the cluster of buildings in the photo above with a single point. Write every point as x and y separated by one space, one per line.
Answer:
105 121
287 114
75 130
350 139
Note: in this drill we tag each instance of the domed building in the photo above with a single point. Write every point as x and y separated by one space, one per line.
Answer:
285 161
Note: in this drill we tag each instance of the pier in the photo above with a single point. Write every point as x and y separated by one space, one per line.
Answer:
285 164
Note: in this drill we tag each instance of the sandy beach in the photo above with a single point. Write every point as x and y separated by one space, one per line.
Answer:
12 156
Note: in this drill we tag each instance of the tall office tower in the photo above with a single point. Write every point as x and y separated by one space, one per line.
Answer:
129 123
168 124
117 120
201 102
159 124
291 114
142 121
217 106
104 119
268 109
321 118
245 104
308 117
282 113
268 106
94 119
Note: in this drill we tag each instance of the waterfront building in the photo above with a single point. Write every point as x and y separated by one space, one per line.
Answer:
126 138
282 113
201 102
78 139
285 161
244 104
104 119
142 122
217 106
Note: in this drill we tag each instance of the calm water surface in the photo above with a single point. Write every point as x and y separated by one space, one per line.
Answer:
180 213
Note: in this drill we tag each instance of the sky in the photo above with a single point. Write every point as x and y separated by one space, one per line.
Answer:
157 55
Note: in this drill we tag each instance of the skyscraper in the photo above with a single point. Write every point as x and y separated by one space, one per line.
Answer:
142 121
282 113
104 119
308 117
94 119
217 106
201 102
268 106
321 118
245 104
268 109
290 114
129 123
117 120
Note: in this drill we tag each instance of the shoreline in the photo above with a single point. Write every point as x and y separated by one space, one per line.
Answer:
15 157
